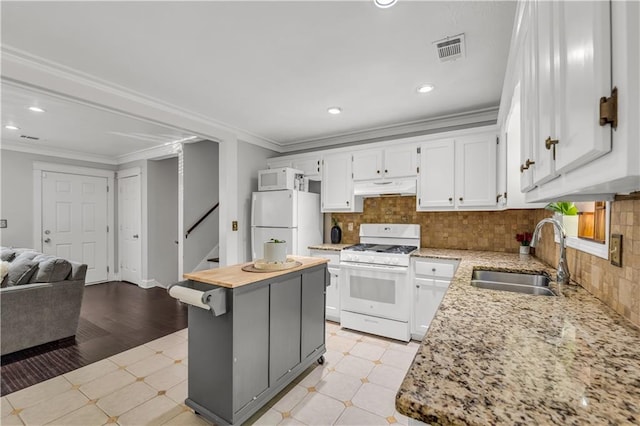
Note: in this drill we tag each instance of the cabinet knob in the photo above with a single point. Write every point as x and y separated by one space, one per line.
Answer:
378 171
460 199
417 286
386 171
347 203
433 269
450 199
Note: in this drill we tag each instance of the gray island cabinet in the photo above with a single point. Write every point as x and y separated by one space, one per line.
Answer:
251 335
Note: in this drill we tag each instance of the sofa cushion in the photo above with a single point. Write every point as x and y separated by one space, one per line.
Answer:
21 271
50 269
7 254
5 281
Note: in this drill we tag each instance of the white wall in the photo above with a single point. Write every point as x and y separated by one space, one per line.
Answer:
16 186
162 205
201 192
251 158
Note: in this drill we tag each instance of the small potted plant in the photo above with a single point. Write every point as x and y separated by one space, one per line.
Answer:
567 213
525 240
275 251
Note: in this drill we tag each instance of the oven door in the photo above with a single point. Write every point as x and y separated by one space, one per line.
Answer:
376 290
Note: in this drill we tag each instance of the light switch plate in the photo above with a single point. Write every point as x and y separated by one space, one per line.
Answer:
234 225
615 249
3 223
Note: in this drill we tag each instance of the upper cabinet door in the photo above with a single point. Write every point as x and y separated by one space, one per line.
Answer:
584 52
528 101
436 177
476 171
367 164
310 166
337 184
546 75
400 161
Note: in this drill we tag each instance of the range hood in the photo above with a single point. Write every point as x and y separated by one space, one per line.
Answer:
384 187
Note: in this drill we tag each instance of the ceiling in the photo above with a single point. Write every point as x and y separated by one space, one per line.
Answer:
270 69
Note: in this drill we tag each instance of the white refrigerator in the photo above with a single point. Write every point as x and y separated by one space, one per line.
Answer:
293 216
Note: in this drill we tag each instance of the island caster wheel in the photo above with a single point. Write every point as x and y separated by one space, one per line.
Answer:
321 360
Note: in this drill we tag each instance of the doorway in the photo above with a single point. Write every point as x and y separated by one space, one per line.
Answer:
129 226
72 214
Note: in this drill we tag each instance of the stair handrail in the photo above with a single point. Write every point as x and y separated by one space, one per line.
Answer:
204 216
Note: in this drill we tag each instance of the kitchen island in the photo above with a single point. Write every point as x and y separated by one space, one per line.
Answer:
251 334
495 357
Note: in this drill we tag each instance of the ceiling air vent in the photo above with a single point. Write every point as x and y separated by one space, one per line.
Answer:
450 48
31 138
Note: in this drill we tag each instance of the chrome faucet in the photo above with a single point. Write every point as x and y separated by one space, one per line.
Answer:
562 272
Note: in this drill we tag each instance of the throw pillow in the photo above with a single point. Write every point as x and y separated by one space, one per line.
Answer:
51 269
4 274
21 271
7 254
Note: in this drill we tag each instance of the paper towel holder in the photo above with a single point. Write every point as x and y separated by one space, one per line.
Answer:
215 298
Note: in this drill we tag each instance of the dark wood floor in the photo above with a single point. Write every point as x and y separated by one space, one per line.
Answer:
115 316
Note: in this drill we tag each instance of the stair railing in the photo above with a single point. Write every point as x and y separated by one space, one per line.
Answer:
199 221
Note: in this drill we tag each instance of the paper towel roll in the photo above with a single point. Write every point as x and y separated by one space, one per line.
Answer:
188 295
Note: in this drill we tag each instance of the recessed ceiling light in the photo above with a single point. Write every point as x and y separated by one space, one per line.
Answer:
383 4
334 110
36 109
11 127
425 88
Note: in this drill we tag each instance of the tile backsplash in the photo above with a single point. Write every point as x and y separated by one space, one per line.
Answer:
618 287
492 231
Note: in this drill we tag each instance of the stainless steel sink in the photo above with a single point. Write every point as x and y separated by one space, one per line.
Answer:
536 285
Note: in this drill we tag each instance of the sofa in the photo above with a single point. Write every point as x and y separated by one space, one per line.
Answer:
40 298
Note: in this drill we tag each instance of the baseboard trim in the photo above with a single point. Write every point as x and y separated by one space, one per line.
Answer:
149 284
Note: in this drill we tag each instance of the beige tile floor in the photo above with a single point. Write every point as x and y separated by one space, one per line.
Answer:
148 385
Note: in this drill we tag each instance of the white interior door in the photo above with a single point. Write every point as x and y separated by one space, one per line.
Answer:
74 220
129 219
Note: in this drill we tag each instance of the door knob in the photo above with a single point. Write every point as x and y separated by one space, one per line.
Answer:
135 236
47 240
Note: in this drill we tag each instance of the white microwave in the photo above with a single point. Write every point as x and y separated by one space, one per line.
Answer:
280 178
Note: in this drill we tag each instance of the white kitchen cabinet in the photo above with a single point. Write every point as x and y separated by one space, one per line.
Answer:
581 51
458 173
436 187
401 161
394 162
332 307
431 279
309 165
368 164
337 184
278 163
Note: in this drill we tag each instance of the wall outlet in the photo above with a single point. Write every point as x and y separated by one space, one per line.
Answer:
615 249
3 223
350 226
234 225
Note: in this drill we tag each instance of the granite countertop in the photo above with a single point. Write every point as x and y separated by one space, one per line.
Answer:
495 357
329 247
233 276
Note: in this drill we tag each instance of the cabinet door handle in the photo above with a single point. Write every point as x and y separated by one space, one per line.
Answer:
548 143
526 165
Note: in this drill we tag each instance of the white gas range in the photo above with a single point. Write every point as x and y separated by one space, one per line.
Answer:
374 280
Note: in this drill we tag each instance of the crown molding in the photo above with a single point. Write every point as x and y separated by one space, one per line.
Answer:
479 117
34 72
55 152
155 153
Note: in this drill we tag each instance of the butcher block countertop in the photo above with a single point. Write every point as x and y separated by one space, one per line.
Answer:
234 276
500 358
